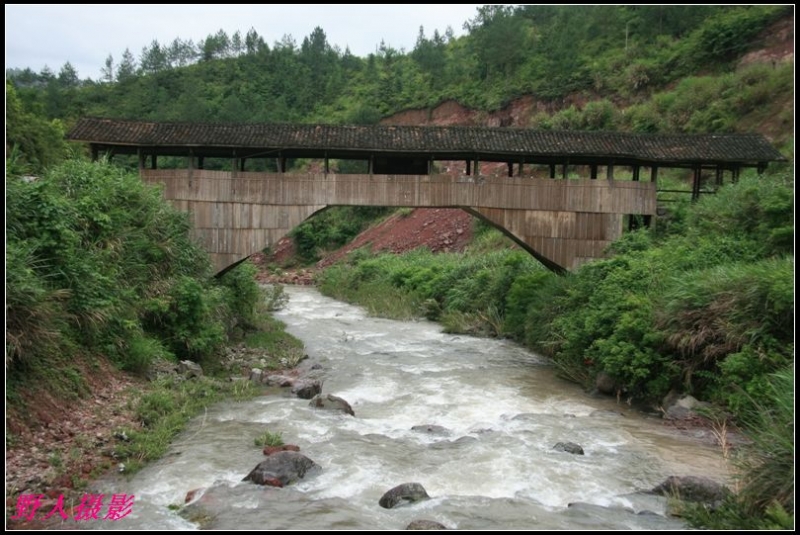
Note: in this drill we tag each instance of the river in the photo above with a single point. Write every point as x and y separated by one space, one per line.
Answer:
502 407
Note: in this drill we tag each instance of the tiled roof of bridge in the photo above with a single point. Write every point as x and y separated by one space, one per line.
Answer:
688 148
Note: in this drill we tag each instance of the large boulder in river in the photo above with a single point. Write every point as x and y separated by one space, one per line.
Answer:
331 403
307 388
425 524
692 489
569 447
281 469
402 494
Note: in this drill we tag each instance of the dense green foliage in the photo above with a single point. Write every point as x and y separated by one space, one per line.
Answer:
331 229
98 263
612 56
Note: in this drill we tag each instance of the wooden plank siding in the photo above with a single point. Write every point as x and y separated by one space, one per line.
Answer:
564 223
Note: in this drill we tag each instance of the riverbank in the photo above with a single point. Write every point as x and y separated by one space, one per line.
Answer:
57 448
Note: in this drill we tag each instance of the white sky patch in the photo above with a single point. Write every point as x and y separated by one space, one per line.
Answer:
50 35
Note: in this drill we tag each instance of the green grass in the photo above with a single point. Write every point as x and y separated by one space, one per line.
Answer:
166 408
268 438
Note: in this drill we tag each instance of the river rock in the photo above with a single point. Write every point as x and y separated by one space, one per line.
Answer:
569 447
272 450
279 380
425 524
256 375
682 407
190 369
281 469
431 429
692 489
192 494
307 388
605 384
332 403
402 494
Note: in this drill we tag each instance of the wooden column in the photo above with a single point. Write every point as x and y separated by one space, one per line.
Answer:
521 164
610 172
696 183
564 171
241 164
282 164
762 166
327 165
552 170
200 162
154 161
190 166
510 169
477 167
469 167
635 173
593 171
719 175
735 174
371 164
95 152
430 166
142 157
654 173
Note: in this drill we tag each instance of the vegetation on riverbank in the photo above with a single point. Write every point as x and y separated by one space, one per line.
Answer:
102 277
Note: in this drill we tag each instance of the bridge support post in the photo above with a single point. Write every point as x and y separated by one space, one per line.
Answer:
696 183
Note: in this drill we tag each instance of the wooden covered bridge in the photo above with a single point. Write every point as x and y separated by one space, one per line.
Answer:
237 212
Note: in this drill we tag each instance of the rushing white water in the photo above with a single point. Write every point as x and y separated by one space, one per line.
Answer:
504 410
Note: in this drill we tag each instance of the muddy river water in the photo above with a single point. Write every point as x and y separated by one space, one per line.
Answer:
492 467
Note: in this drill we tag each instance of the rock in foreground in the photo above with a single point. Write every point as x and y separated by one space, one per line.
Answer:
281 469
403 493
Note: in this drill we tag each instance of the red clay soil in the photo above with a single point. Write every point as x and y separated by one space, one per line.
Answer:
437 229
58 447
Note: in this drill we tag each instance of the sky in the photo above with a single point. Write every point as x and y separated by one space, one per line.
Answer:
39 35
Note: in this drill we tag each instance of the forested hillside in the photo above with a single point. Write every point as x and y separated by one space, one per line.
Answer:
643 68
